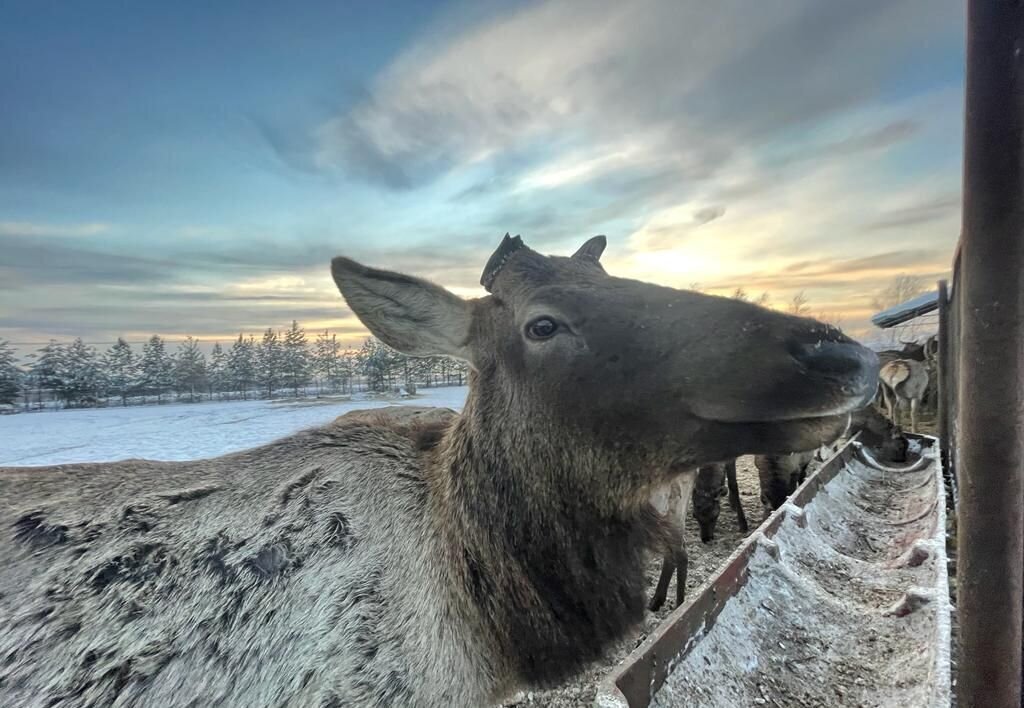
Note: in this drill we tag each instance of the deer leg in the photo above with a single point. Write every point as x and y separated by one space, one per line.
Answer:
913 415
893 405
661 591
892 401
801 477
881 401
682 566
734 496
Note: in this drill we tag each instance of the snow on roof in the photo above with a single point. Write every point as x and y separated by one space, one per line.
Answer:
906 311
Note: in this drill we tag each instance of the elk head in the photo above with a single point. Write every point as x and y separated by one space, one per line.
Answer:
622 364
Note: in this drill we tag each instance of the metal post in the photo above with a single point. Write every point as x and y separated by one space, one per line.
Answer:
944 390
991 434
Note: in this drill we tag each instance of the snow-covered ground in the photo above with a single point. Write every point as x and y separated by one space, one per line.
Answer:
181 431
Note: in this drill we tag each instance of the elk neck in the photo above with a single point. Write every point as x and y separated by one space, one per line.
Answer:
539 528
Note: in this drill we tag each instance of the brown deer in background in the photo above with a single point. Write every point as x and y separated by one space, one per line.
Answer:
780 475
926 353
712 482
903 383
414 557
704 488
910 350
671 501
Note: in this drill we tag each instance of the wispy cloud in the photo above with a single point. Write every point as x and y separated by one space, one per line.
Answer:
779 146
684 80
28 228
930 211
708 214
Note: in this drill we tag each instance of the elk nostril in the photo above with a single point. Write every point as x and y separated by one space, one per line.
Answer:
834 358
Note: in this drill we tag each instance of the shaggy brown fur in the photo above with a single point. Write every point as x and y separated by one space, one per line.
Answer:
671 501
714 481
903 381
414 557
877 432
780 475
703 487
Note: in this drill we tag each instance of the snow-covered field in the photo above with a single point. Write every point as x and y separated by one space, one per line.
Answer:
180 431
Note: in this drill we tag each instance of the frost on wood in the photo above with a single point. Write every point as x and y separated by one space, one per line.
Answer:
845 604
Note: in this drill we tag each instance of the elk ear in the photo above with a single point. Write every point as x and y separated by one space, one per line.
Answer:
408 314
591 250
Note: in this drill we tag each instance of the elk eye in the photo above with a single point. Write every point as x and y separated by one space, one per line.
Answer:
541 328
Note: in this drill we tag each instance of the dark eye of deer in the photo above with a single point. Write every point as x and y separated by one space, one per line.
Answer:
541 328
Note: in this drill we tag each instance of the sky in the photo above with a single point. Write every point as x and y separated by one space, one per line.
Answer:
191 168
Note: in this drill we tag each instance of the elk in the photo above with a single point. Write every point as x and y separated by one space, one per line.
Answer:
903 381
703 486
925 352
671 501
712 483
780 475
880 434
404 557
910 350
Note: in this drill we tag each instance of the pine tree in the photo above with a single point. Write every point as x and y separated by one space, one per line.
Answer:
348 366
217 372
295 360
268 362
420 372
121 370
407 365
11 378
50 371
429 371
242 364
444 369
189 368
450 372
369 363
83 375
326 358
461 370
378 363
156 368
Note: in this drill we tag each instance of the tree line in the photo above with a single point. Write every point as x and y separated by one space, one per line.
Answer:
285 362
76 374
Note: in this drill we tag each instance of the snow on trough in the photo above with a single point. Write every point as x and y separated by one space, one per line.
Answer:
839 599
180 431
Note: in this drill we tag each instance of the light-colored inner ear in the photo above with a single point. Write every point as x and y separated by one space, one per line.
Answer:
408 314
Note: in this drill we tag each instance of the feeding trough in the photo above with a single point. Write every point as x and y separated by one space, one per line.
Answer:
840 598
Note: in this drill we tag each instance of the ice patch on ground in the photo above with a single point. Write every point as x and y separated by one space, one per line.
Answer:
181 431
